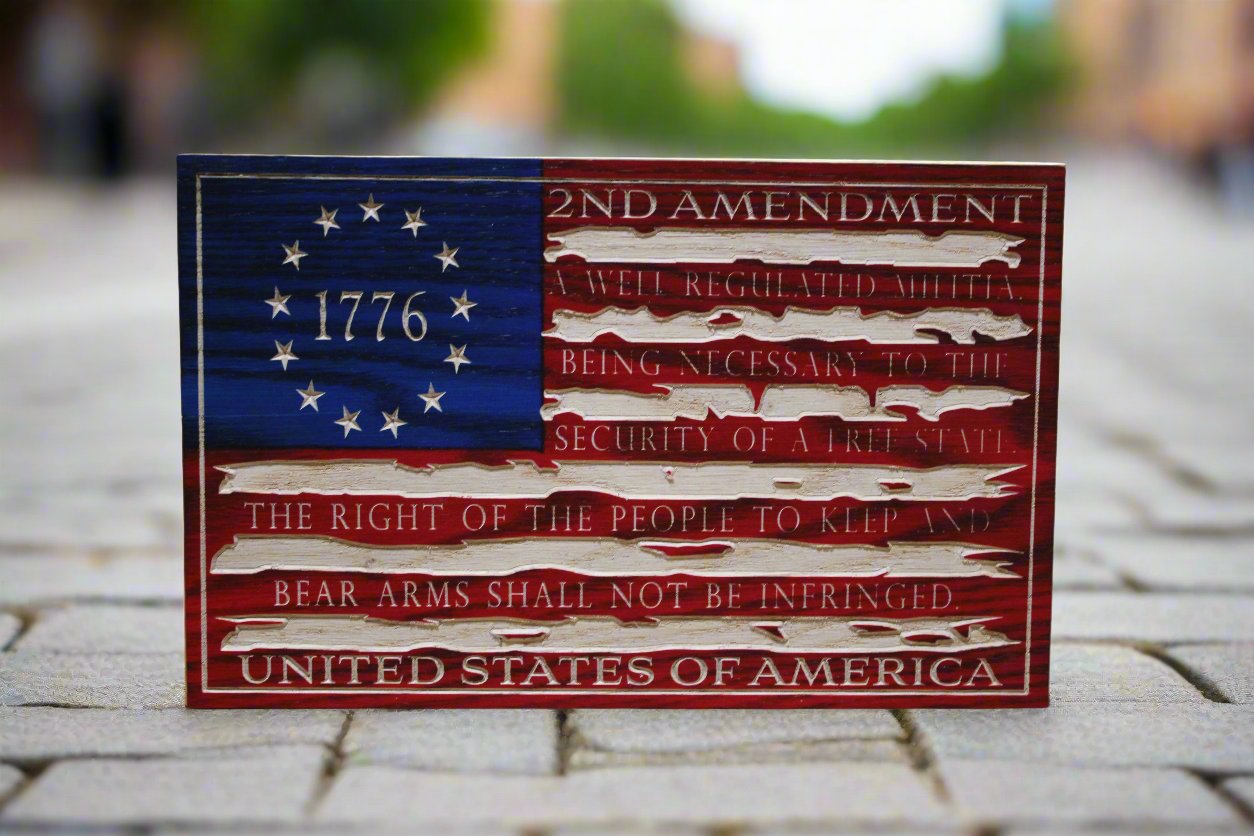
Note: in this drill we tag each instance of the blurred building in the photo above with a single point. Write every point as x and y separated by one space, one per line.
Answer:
508 102
1179 75
507 98
712 64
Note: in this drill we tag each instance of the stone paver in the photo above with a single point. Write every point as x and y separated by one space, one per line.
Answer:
78 520
1188 564
1207 737
1213 462
636 730
105 628
38 579
1200 515
10 779
844 751
1092 467
1228 667
1153 617
1076 570
308 828
628 829
1027 793
10 626
113 680
1094 512
1110 673
36 735
118 793
507 741
830 794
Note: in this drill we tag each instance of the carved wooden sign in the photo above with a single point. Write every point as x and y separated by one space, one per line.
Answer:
618 432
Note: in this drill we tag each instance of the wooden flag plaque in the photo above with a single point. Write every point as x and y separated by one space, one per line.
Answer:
474 432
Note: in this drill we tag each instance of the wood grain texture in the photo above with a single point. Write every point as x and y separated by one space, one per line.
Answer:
962 379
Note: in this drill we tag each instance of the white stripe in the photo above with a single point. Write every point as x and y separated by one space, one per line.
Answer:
625 480
778 403
641 325
723 245
609 557
601 634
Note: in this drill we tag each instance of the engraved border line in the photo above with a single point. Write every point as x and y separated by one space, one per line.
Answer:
204 674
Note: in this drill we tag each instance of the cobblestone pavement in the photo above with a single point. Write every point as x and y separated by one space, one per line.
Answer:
1153 675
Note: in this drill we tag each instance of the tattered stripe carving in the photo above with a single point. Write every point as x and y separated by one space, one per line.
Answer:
724 245
832 325
626 480
609 557
602 634
778 403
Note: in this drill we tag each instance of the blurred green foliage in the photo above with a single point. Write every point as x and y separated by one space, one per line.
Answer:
621 75
255 50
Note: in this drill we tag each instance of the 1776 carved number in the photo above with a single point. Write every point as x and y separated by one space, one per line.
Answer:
384 296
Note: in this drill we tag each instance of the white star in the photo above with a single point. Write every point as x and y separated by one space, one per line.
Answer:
431 399
457 356
349 421
294 255
463 306
413 220
447 257
371 208
278 304
327 221
392 421
309 397
284 353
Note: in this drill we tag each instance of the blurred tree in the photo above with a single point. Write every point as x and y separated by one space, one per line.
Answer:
258 53
619 70
621 75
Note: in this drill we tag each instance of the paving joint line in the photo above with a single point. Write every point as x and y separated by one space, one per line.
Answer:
1129 581
921 757
987 829
31 771
26 617
1148 449
17 550
565 740
331 768
1216 784
1205 686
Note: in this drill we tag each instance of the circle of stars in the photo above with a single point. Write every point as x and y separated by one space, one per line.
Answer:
462 305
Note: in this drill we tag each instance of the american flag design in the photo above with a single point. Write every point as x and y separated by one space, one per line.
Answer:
618 432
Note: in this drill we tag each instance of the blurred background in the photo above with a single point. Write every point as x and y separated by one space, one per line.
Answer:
110 88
